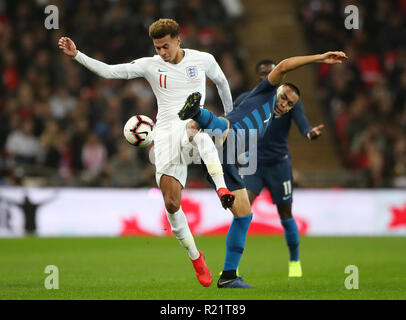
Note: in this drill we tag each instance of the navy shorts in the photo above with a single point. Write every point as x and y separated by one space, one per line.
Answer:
231 177
277 178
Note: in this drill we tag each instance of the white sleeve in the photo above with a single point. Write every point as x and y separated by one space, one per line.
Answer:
131 70
215 73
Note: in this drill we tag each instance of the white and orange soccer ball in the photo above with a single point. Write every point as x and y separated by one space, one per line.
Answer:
139 131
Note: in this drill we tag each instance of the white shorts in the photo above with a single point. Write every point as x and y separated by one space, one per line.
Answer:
171 151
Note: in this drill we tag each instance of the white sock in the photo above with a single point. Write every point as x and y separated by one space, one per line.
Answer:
208 153
189 244
180 229
219 181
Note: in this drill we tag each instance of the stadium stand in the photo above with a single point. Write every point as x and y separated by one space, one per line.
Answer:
364 100
60 124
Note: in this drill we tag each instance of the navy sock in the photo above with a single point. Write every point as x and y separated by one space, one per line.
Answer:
235 241
208 120
292 238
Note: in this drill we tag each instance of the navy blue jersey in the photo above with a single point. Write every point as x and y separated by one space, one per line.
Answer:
256 110
273 145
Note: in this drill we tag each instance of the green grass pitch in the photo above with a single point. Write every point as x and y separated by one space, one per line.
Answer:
159 269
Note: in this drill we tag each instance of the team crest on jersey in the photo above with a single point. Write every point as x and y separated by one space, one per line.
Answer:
192 72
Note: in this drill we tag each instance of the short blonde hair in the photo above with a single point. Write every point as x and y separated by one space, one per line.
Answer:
163 27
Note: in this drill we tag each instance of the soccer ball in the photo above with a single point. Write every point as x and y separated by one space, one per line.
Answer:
138 131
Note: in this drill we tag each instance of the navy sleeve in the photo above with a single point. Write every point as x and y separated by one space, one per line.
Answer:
300 118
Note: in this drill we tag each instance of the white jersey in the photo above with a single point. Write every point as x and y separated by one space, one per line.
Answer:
171 83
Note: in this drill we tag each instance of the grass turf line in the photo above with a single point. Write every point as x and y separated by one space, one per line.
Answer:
159 268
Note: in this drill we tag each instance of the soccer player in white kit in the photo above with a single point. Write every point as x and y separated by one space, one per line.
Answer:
173 74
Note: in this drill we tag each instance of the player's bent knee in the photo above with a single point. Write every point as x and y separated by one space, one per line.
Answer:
172 204
241 206
241 210
171 191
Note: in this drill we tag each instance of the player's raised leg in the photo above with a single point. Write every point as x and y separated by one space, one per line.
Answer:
205 118
209 154
171 191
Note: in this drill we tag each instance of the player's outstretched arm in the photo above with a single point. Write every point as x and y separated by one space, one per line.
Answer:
118 71
276 76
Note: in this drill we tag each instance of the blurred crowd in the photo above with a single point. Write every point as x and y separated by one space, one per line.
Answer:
62 125
364 98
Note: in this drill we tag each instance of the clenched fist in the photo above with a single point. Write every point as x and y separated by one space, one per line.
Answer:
67 46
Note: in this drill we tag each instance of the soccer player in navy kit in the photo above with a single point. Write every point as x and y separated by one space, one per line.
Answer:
268 99
274 170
